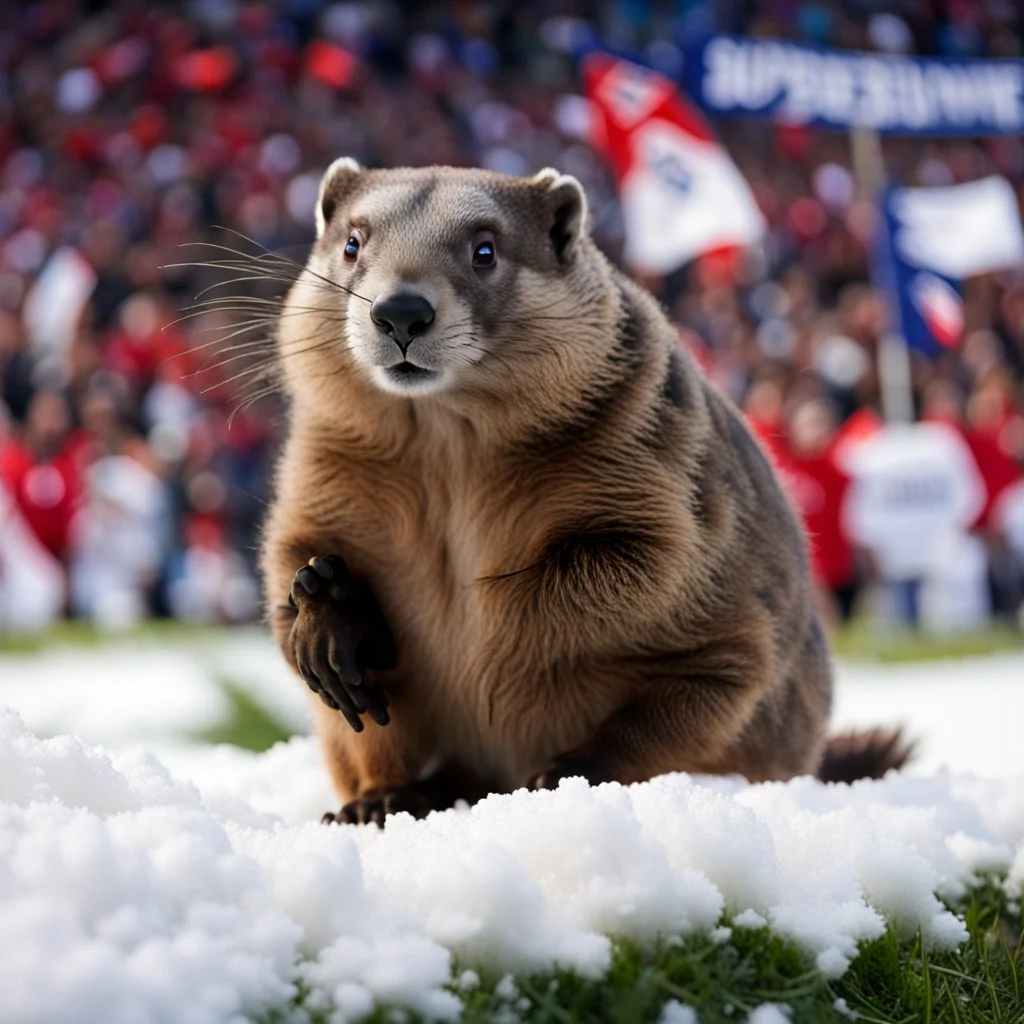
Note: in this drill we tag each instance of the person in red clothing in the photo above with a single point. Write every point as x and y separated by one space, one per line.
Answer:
800 442
998 468
40 471
140 345
763 409
989 415
818 488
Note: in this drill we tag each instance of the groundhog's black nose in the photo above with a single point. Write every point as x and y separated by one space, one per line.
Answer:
403 316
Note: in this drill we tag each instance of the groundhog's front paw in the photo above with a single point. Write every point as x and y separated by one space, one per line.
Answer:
337 635
376 804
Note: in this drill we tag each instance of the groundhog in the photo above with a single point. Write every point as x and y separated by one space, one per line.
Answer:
517 535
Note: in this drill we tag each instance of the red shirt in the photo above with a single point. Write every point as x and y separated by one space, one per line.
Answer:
998 469
817 487
46 492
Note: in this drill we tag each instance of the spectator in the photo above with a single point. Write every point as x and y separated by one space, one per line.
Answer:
819 487
117 550
42 474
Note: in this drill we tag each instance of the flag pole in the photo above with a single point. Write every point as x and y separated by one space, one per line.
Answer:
893 353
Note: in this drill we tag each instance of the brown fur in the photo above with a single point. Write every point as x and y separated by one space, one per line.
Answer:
585 558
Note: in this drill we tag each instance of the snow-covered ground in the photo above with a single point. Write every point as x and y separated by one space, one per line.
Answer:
140 690
207 891
966 713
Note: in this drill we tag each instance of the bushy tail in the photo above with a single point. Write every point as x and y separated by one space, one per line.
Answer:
864 755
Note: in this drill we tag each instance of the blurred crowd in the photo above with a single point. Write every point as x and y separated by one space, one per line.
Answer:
131 131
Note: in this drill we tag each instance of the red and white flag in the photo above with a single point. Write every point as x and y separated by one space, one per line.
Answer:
681 194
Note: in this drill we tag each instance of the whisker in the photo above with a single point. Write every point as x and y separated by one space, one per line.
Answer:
218 327
280 260
248 272
279 256
268 341
224 302
243 349
251 401
247 349
210 309
267 257
261 367
248 372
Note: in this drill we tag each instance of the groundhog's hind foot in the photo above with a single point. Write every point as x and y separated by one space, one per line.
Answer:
451 784
338 633
376 804
566 767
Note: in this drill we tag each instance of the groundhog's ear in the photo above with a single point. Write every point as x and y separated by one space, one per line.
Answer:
567 206
336 183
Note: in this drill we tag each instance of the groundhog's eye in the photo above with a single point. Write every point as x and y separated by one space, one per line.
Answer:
351 248
485 255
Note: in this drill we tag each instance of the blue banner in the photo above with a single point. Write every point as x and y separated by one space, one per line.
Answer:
807 85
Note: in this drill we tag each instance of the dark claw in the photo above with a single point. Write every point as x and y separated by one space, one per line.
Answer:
365 698
314 684
311 680
348 815
308 579
376 804
344 665
566 767
333 567
323 566
352 718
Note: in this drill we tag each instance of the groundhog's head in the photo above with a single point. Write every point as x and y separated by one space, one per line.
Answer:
443 278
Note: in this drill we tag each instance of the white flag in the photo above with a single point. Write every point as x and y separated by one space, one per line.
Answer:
961 230
681 194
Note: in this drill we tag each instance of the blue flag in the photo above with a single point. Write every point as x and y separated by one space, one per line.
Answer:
926 303
934 238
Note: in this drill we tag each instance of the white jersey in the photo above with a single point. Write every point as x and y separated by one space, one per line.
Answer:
914 486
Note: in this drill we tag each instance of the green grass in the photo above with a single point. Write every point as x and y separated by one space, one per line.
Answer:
890 981
864 640
249 725
80 633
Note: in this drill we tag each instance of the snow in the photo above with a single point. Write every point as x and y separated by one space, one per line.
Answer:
842 1007
156 693
964 711
148 691
196 884
770 1013
675 1012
